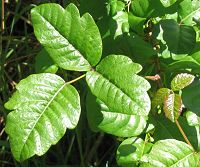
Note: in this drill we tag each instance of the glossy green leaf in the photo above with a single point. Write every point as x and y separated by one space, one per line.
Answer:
160 96
189 10
119 24
73 42
184 37
184 12
193 119
173 106
124 94
131 150
44 63
167 3
172 153
44 106
100 118
181 81
115 6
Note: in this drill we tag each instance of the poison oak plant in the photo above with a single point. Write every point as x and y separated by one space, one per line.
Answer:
118 55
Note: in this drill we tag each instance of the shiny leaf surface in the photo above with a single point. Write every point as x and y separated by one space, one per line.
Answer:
172 106
123 92
44 106
131 150
171 152
73 42
182 80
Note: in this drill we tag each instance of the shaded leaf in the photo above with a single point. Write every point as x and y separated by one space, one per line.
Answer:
73 42
44 106
173 106
136 23
171 152
191 96
181 81
165 129
147 8
184 37
131 150
123 92
44 63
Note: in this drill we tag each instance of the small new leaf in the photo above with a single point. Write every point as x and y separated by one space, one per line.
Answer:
182 80
172 106
160 97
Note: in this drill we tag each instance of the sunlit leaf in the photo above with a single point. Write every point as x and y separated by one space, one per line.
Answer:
116 83
73 42
44 106
172 106
182 80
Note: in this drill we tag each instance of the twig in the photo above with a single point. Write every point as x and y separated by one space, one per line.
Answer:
183 133
76 79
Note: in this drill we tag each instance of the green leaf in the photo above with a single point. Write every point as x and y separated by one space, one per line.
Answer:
117 24
184 37
95 7
188 11
184 12
160 96
147 8
44 63
43 107
187 62
173 106
167 3
136 23
73 42
192 118
171 152
116 84
131 150
191 96
181 81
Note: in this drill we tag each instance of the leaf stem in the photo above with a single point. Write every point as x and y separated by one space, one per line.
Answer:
183 133
76 79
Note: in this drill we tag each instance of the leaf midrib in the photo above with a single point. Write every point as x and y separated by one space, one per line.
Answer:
110 81
186 17
71 43
45 108
182 159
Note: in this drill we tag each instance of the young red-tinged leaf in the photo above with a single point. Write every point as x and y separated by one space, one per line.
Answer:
182 80
172 106
160 96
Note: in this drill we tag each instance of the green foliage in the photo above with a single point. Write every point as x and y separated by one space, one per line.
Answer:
42 112
127 43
